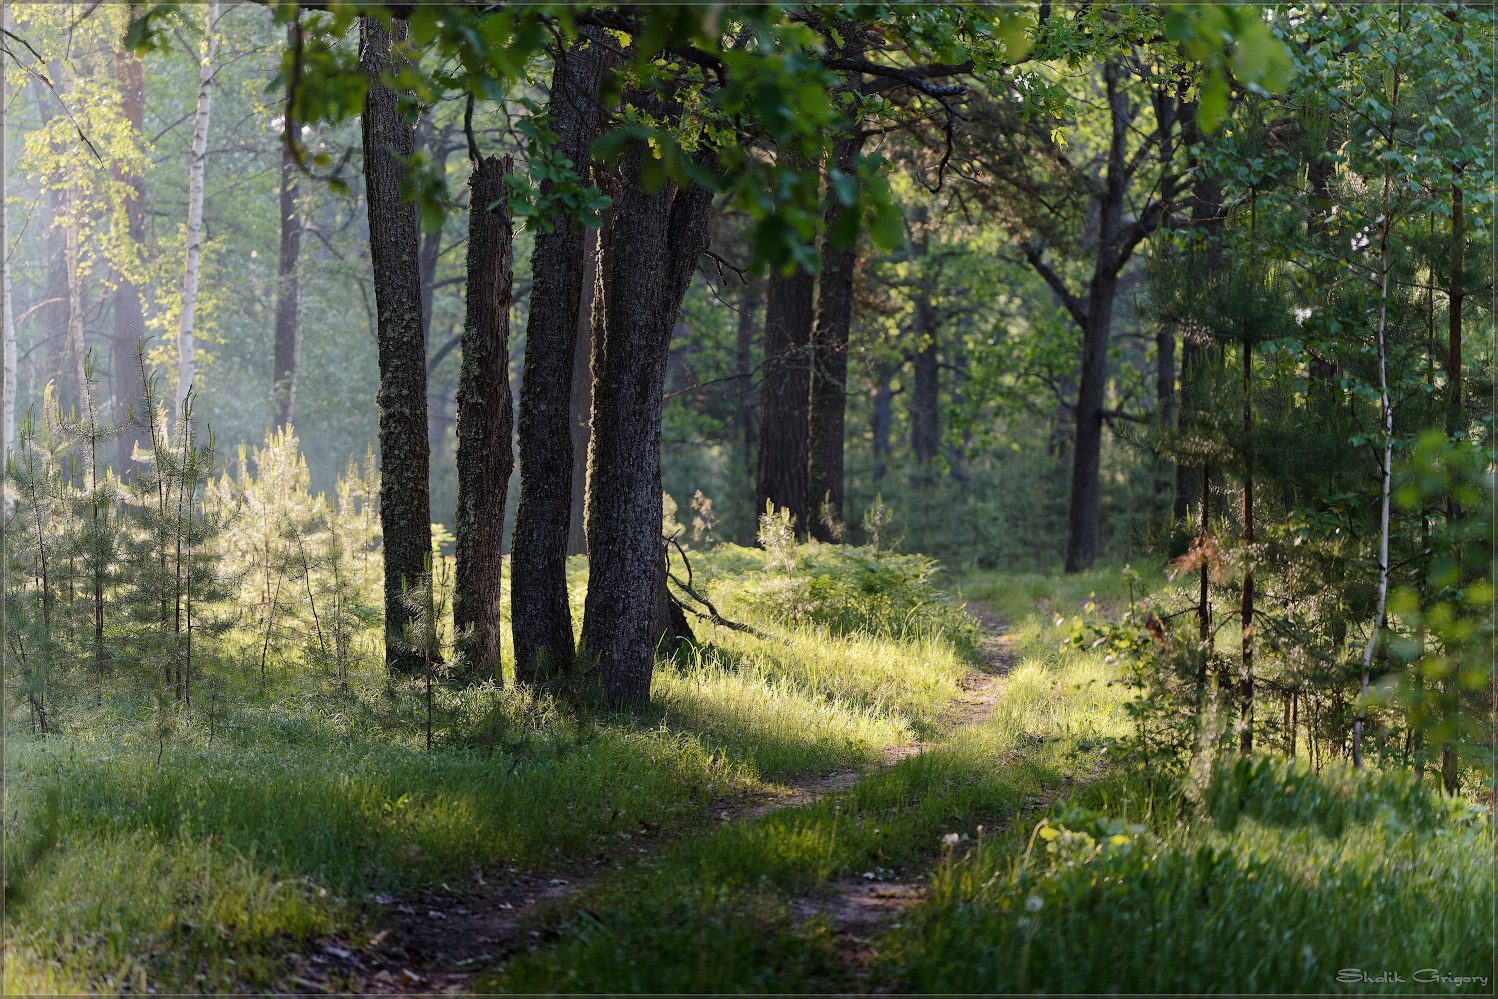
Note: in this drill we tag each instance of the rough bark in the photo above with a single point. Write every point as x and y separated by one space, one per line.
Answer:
785 393
580 415
653 247
541 620
405 504
1246 604
748 413
1165 408
129 389
484 458
196 167
829 368
288 337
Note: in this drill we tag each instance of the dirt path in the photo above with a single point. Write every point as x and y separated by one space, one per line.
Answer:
434 942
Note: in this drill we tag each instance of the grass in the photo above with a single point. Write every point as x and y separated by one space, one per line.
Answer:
143 857
152 849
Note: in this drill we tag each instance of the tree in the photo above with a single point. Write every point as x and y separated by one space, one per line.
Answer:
651 251
540 616
288 335
129 315
784 396
484 417
405 515
197 172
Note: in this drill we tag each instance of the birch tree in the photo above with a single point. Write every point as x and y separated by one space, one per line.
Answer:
186 366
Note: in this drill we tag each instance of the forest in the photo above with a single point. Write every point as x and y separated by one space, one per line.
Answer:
722 498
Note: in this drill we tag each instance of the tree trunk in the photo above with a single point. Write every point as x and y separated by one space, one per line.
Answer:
925 430
288 284
7 301
129 316
1082 517
785 395
484 458
1453 425
580 414
1246 606
749 302
883 421
186 360
541 620
653 248
1165 409
829 367
74 395
405 504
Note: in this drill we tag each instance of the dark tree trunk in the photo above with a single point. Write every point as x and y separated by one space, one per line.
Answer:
653 246
749 301
829 368
1165 408
581 413
541 620
957 452
925 432
1246 605
405 504
884 419
485 412
129 316
785 395
1206 221
1082 517
288 286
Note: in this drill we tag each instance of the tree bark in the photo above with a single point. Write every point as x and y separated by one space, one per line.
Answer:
541 620
829 367
883 420
749 302
1082 517
129 389
785 394
186 359
74 396
7 315
653 247
925 432
288 342
484 458
581 412
405 503
1165 409
1246 605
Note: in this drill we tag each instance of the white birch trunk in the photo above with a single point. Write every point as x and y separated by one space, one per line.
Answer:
186 361
1387 412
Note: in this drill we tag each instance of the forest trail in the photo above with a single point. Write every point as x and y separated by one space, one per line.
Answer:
433 942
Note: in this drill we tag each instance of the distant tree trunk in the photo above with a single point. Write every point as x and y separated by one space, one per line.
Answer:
655 241
749 302
1165 408
186 352
1206 219
129 315
925 432
883 418
1096 321
580 414
957 452
7 298
1454 422
484 458
829 367
405 503
541 620
288 284
785 392
74 381
1246 606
